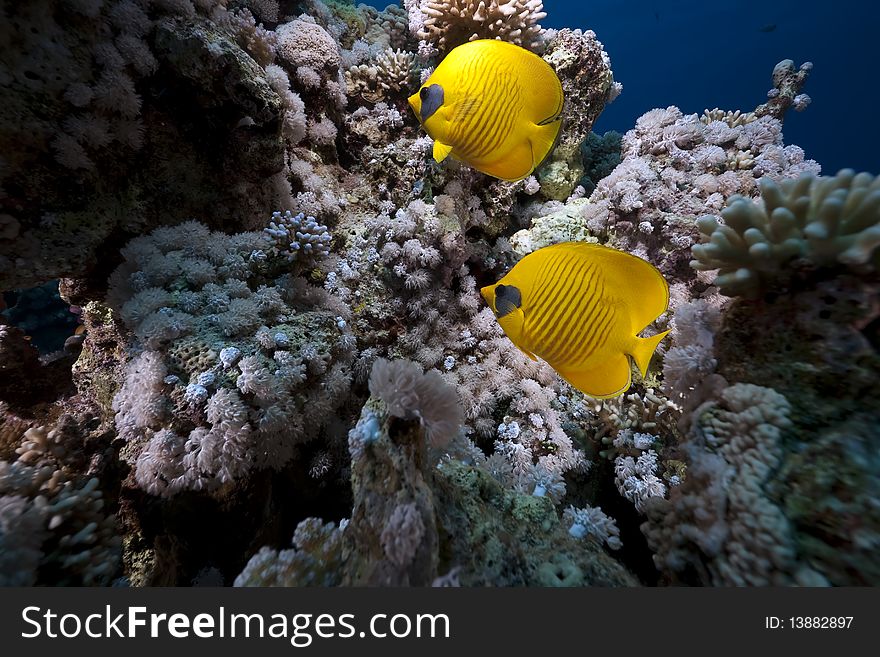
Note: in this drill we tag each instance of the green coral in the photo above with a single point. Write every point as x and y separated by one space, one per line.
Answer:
825 222
502 537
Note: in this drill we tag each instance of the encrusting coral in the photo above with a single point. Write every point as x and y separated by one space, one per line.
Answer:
722 520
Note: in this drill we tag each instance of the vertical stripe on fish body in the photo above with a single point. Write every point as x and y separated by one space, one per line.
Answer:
579 307
494 106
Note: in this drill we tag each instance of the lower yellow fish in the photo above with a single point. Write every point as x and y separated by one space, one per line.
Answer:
579 307
492 105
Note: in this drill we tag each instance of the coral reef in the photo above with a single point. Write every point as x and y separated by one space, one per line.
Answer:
54 527
588 84
406 515
271 320
390 73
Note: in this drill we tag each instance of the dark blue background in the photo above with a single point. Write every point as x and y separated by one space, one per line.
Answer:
700 54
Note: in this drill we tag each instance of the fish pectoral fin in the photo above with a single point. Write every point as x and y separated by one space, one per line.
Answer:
610 379
441 150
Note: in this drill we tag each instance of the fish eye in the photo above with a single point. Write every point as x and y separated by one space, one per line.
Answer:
423 92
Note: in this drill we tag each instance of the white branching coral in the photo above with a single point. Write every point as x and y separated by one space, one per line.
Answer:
827 221
390 73
733 118
449 23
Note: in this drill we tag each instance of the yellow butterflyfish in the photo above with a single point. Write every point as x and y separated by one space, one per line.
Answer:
492 105
579 307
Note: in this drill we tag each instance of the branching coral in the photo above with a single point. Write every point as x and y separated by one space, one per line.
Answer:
53 518
298 236
449 23
390 74
786 92
824 221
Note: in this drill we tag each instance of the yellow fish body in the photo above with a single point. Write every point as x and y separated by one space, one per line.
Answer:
494 106
579 307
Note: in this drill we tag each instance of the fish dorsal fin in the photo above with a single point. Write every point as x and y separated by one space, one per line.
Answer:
441 150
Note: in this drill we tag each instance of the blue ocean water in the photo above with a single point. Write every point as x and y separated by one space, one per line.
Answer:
699 55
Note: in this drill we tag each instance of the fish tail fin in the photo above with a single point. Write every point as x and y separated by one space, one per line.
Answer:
644 348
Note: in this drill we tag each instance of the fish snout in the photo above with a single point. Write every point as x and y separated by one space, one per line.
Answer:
488 293
415 103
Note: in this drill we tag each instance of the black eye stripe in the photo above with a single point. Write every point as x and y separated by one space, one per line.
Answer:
510 293
432 99
507 299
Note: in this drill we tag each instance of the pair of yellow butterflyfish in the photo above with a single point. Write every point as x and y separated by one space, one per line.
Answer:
498 108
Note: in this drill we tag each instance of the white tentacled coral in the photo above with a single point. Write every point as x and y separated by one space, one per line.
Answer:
409 393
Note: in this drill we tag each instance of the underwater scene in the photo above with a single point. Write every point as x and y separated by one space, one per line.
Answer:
438 293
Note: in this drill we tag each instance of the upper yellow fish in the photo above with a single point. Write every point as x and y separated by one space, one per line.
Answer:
494 106
579 307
